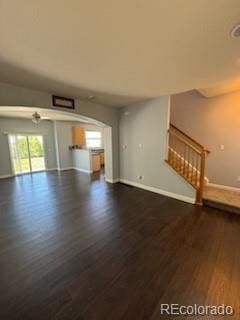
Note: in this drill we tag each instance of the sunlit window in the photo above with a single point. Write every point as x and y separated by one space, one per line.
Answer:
94 139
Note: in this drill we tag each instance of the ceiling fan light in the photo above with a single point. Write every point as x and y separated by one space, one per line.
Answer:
235 33
36 118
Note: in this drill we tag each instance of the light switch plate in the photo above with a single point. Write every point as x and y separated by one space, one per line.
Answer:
222 147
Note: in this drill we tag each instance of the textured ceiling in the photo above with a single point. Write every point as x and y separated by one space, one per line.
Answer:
120 51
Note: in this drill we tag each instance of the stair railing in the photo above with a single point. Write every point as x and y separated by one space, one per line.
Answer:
187 157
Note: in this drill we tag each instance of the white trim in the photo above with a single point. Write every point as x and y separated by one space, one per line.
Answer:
221 186
6 176
66 168
83 170
159 191
112 180
74 168
20 174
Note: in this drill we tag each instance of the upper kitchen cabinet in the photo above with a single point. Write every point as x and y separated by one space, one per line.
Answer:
78 135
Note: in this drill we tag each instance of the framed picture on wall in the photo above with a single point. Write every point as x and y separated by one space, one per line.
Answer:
63 102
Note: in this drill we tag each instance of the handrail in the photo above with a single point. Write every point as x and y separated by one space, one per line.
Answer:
190 138
187 157
186 142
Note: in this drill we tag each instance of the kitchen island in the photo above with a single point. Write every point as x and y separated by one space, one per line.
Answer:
88 160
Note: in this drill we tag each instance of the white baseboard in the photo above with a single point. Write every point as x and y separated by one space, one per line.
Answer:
74 168
83 170
66 168
15 175
159 191
5 176
221 186
112 180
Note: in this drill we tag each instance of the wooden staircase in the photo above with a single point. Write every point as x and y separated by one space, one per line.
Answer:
187 157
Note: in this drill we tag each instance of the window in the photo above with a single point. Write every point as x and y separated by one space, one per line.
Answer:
94 139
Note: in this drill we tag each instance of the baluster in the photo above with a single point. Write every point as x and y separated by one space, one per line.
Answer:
169 146
178 155
173 148
182 157
188 163
184 160
193 168
201 178
197 169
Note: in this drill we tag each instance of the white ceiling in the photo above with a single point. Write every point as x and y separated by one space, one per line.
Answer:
46 114
221 88
121 51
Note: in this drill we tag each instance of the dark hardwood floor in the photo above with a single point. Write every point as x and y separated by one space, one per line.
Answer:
75 247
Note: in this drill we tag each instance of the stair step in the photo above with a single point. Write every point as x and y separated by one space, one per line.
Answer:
221 198
221 206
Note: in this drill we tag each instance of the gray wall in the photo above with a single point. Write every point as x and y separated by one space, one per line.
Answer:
143 134
18 96
212 122
63 139
11 125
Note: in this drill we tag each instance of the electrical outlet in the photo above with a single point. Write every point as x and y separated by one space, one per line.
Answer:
140 177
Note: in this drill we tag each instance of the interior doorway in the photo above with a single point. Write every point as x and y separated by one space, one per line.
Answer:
27 153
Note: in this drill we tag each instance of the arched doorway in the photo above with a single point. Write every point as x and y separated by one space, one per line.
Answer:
55 117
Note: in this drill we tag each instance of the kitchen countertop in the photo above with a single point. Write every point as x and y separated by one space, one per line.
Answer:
95 151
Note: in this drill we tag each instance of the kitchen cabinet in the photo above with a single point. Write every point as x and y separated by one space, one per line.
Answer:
78 136
102 158
96 166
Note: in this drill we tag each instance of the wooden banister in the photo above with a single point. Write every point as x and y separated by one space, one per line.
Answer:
187 157
188 137
186 142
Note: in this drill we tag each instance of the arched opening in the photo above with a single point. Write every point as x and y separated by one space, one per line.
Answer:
56 129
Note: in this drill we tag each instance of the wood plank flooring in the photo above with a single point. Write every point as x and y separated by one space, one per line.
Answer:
75 247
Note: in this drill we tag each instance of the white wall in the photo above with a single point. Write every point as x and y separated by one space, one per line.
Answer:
14 126
212 122
63 139
82 160
108 154
143 132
